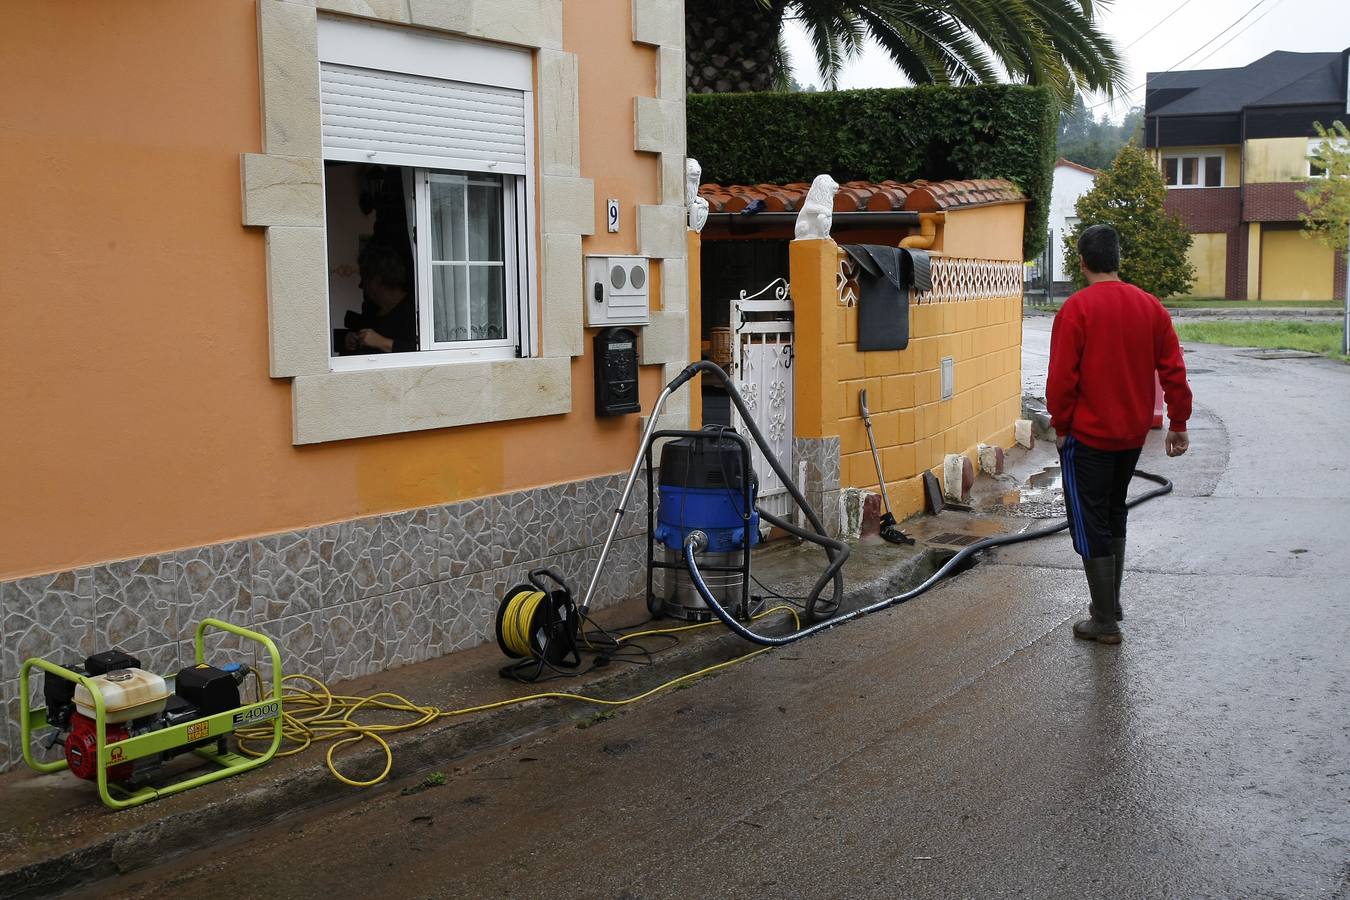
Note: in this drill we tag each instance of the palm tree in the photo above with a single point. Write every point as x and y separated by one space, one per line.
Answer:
736 45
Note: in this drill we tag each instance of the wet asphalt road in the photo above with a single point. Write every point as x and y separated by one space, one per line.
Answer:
963 745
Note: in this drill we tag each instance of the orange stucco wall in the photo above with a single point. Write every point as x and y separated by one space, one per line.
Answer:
139 416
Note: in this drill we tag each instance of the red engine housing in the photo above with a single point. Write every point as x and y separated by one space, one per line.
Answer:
82 749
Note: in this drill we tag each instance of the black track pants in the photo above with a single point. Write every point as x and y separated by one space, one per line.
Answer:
1095 485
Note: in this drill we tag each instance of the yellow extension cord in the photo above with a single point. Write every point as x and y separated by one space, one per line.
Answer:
312 716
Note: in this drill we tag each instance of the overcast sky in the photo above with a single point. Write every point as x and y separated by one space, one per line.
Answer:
1300 25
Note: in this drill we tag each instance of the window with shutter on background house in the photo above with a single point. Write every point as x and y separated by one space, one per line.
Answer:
427 163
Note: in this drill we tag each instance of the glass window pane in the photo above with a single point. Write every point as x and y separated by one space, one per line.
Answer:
1190 170
450 303
485 220
1170 170
447 217
487 306
1213 171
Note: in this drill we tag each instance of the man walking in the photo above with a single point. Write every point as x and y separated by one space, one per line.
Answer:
1107 342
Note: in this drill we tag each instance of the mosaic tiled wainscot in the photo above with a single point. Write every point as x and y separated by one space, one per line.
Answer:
340 600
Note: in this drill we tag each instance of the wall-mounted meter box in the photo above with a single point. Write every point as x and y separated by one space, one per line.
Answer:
617 290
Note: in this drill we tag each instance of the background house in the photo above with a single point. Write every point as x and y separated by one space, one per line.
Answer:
1071 182
1232 145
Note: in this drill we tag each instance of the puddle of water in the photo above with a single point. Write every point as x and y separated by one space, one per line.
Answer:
1040 497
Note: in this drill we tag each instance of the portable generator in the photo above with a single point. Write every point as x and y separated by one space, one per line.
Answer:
706 484
119 724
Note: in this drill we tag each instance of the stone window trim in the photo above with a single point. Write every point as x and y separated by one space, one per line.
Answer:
283 193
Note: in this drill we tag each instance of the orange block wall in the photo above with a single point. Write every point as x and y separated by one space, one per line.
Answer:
914 428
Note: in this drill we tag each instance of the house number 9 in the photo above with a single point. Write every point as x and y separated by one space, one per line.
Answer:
613 215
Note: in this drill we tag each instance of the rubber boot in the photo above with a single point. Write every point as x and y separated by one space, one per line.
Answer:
1101 578
1118 548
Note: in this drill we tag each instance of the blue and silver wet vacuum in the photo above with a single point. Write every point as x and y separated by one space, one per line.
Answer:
703 487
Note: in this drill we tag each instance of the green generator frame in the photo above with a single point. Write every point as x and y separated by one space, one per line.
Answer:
206 728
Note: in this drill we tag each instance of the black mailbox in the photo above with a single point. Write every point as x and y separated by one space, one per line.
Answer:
616 372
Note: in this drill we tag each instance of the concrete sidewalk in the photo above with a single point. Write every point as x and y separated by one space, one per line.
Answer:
54 833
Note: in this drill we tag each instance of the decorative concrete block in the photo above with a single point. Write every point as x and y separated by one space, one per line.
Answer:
338 406
215 581
136 604
287 579
383 10
48 617
414 628
288 37
666 340
446 15
559 125
675 287
991 459
351 562
282 190
564 296
297 300
467 542
659 125
1022 433
525 388
353 639
821 456
569 205
529 23
300 641
658 22
674 190
852 504
670 74
469 607
411 541
958 477
661 231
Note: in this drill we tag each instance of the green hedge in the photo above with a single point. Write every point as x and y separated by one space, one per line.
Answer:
988 131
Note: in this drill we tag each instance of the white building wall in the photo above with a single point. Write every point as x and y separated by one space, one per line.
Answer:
1069 184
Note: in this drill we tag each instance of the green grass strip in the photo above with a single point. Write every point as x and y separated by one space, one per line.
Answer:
1313 337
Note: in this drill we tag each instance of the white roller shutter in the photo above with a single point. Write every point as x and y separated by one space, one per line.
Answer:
411 120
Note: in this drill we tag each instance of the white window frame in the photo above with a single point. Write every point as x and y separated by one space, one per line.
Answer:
1200 168
1315 144
404 51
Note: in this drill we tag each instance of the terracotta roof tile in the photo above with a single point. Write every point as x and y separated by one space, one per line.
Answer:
859 196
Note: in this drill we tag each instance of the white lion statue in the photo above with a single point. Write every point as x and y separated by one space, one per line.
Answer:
698 207
817 212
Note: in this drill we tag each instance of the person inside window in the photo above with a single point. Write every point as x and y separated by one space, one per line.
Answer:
387 322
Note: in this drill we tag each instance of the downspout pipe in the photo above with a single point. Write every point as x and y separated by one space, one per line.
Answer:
927 235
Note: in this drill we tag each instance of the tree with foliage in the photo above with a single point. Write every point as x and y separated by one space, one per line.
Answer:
1128 195
1328 190
1093 142
736 45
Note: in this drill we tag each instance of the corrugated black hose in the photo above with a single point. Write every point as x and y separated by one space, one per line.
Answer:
691 545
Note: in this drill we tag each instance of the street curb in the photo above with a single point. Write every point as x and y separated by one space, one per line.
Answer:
266 800
1238 313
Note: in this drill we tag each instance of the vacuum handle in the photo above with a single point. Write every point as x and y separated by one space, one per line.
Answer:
862 403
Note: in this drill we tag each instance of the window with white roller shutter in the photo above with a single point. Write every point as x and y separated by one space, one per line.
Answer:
428 158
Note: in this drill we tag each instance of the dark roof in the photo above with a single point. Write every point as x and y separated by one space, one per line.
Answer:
866 196
1281 78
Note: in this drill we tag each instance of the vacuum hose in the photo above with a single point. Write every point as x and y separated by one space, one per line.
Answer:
836 551
692 544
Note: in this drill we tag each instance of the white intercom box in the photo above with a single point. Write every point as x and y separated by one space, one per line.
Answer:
618 290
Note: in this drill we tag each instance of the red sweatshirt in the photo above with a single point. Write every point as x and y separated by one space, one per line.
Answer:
1108 340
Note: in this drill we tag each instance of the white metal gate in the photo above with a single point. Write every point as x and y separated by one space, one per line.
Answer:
762 355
